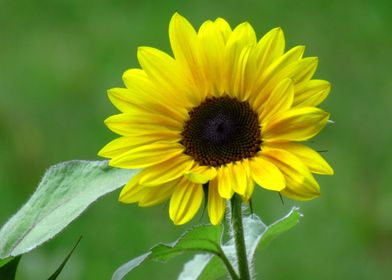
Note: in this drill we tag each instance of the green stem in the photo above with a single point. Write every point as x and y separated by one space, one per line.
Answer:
238 231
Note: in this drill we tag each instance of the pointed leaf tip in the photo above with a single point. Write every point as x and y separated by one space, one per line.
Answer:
65 191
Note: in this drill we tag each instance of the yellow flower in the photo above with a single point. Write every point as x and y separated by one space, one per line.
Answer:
225 114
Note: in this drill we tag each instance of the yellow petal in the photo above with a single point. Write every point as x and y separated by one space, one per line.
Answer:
292 194
216 205
123 144
129 101
295 125
224 28
137 79
300 184
243 34
270 77
165 72
300 71
247 67
311 93
212 46
155 132
121 98
250 182
141 92
224 181
269 48
313 160
167 171
239 178
161 128
236 56
201 174
185 202
147 155
186 50
132 192
142 117
266 174
280 100
132 195
156 195
243 75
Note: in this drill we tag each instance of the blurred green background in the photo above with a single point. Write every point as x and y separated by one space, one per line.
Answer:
58 58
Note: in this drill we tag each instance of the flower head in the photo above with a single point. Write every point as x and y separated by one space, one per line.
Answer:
226 113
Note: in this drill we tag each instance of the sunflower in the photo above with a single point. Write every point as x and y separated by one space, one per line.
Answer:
224 113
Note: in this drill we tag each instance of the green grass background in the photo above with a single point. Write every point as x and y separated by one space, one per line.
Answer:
58 58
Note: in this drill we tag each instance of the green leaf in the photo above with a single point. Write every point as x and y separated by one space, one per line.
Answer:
8 268
280 226
60 268
123 270
3 262
64 192
198 239
257 235
203 267
213 268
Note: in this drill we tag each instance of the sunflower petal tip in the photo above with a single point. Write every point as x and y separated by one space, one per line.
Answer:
215 222
301 48
122 196
329 171
313 59
111 163
177 221
101 153
176 15
277 30
220 20
141 50
106 121
281 187
177 18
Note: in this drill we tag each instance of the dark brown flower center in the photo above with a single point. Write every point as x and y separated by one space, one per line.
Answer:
221 130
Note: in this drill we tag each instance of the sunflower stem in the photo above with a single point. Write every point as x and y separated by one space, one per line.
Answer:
238 231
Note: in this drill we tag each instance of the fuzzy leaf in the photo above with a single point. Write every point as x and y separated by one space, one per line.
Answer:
203 267
257 235
280 226
123 270
64 192
198 239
